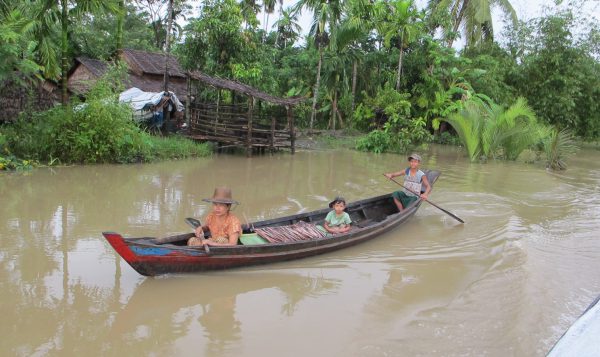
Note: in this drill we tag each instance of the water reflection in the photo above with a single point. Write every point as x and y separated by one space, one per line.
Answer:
204 308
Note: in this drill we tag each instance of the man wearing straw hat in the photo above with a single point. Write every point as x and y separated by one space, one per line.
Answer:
224 227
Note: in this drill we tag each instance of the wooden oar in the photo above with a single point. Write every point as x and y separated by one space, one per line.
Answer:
428 201
195 223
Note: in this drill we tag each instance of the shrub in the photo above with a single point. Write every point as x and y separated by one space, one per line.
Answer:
98 131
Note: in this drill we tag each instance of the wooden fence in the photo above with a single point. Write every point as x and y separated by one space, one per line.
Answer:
242 126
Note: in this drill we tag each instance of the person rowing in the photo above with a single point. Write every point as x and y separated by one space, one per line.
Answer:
224 227
413 181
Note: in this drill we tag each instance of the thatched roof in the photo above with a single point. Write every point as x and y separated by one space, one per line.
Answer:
97 67
145 73
243 88
143 62
146 70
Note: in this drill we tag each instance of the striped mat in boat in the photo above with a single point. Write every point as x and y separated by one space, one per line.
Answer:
294 233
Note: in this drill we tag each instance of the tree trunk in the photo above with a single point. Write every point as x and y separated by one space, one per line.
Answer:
119 35
168 44
458 20
354 76
64 68
316 92
278 19
399 67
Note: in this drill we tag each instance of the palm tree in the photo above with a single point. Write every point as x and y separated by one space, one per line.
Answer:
288 27
269 8
120 22
489 131
51 12
326 15
558 145
400 22
475 16
249 10
18 59
168 45
355 28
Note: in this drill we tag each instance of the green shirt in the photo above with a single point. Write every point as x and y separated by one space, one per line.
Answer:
333 220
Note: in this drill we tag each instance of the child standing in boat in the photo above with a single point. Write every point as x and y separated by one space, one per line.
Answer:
224 227
337 220
414 180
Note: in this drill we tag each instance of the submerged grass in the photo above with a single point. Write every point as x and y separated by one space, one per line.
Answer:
176 147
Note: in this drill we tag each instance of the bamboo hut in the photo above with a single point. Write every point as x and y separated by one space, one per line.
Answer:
241 124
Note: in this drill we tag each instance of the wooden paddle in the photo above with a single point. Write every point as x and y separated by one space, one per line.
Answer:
428 201
195 223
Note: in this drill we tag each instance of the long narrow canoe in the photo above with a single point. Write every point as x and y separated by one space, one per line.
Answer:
371 217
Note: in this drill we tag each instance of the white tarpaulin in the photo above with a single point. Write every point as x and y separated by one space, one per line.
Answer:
142 102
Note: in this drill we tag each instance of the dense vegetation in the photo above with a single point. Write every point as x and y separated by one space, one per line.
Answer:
385 67
101 130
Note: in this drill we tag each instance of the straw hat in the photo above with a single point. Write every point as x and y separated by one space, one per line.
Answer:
221 195
414 156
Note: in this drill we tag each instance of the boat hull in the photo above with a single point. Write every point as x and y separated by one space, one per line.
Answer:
378 214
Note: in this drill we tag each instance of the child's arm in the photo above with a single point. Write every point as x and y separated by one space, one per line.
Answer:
344 229
330 229
427 188
391 175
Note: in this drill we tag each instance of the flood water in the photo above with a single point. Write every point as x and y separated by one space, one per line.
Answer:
506 283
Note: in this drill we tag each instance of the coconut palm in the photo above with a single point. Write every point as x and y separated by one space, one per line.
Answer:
326 15
474 16
287 27
249 10
401 21
269 8
354 30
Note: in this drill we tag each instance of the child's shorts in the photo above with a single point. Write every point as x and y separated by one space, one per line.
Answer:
405 199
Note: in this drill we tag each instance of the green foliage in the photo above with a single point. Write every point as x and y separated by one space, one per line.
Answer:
17 49
560 76
10 163
377 141
174 147
557 146
94 36
489 131
363 118
389 112
489 70
100 130
447 138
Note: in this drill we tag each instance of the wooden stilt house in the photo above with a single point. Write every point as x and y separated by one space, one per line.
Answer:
243 122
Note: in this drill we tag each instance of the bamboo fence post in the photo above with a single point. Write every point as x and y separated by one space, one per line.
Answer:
249 136
272 148
290 117
188 83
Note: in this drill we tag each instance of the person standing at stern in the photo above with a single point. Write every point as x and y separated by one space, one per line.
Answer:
414 180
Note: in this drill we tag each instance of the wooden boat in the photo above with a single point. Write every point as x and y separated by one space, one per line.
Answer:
371 217
581 339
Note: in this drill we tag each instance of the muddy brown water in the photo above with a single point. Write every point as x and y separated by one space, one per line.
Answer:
506 283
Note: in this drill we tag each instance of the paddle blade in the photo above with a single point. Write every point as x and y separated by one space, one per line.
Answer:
193 222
